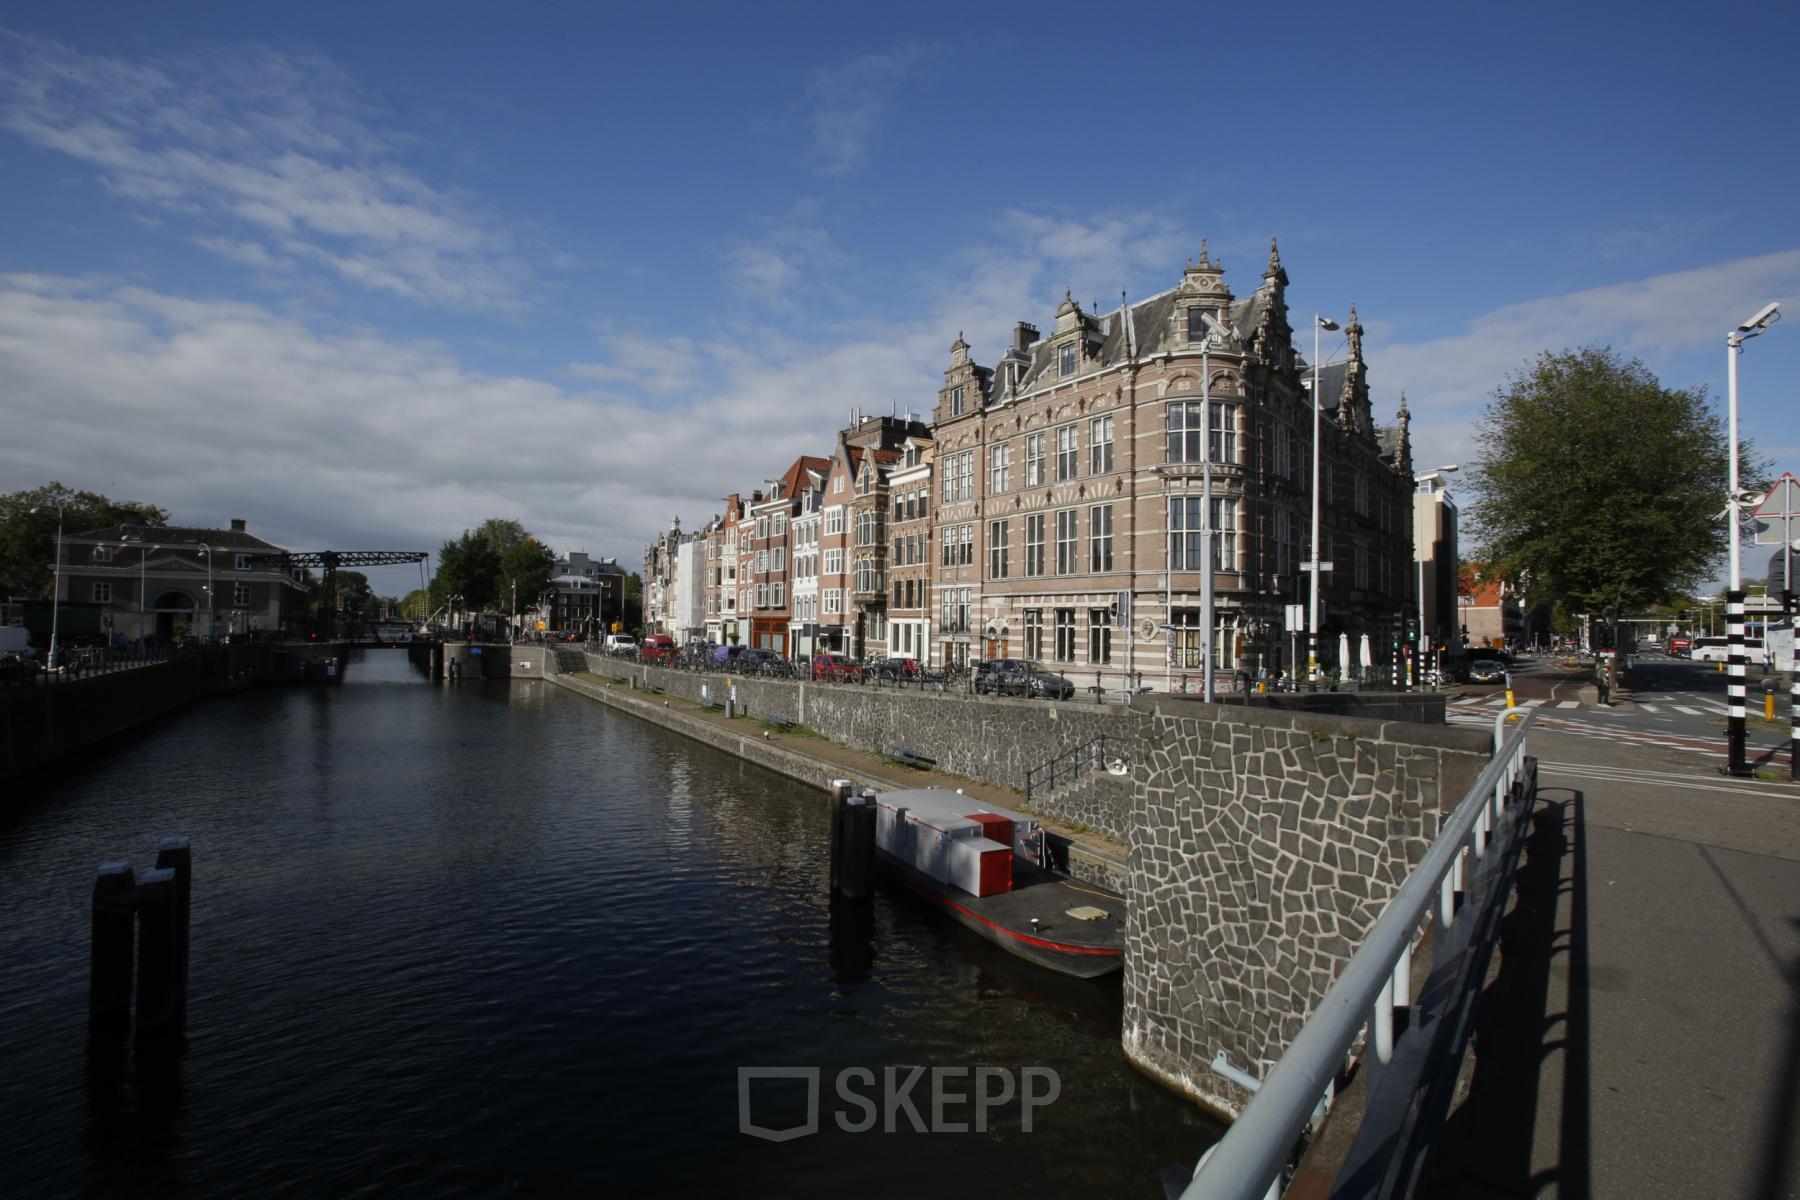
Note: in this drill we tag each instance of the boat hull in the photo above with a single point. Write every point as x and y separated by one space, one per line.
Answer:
1084 949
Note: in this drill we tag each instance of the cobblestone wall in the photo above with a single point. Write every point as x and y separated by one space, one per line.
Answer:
1267 843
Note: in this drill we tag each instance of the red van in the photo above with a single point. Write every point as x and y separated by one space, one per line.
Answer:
657 648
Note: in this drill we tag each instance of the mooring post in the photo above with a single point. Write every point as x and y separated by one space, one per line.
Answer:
175 854
840 792
109 964
156 953
858 851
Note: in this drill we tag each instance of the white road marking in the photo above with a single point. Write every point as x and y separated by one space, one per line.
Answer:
1692 712
1568 704
1534 704
1648 707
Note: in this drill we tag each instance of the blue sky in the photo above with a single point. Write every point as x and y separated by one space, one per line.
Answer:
368 274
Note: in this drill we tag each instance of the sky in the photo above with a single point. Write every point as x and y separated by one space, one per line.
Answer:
367 275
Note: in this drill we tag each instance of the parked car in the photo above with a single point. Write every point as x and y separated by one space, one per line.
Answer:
19 664
836 668
621 643
1678 645
895 668
722 657
762 662
658 648
1022 677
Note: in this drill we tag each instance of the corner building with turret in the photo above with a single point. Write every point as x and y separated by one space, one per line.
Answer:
1068 494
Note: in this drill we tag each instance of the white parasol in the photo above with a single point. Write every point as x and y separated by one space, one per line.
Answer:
1368 653
1344 653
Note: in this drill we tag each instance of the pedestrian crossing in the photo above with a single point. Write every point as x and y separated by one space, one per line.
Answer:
1699 708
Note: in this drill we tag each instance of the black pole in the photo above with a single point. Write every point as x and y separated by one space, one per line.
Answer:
174 853
1734 737
109 969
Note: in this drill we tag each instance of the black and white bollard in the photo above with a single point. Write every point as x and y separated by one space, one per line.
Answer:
1794 718
110 955
156 954
857 848
1734 686
175 854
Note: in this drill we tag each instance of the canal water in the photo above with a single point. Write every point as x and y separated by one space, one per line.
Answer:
497 939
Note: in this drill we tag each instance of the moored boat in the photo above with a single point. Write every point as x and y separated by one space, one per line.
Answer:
985 867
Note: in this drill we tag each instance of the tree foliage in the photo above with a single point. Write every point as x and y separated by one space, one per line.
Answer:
28 539
1596 485
483 564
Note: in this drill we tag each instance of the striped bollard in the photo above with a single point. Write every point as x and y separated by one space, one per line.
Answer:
1734 686
1794 721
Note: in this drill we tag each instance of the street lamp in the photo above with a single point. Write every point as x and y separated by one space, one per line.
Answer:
1734 612
56 585
132 539
1320 325
1213 330
207 550
1433 476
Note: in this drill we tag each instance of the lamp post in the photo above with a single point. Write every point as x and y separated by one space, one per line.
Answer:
1162 473
207 550
56 584
1320 325
1734 599
132 539
1213 330
1427 480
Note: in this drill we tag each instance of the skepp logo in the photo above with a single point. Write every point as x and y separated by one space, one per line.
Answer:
919 1099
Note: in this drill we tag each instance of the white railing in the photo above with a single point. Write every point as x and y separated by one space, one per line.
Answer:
1249 1162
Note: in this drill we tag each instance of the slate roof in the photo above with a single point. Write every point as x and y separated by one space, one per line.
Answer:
174 535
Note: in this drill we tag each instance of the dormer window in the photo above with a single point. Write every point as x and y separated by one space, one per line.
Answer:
1196 326
956 401
912 454
102 554
1065 360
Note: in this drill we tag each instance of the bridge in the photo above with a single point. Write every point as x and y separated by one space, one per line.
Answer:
327 562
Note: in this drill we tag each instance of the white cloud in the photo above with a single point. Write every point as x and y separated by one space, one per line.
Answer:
848 103
261 146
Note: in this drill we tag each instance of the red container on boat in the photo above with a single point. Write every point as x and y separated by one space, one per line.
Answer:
994 826
996 870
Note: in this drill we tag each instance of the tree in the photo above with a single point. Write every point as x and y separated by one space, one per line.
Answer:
1597 484
415 605
483 563
28 539
526 566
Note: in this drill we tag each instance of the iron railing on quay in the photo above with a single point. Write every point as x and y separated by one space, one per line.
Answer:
1460 887
85 662
1101 753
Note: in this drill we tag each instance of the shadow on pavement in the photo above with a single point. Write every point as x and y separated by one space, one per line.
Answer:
1778 1173
1531 1051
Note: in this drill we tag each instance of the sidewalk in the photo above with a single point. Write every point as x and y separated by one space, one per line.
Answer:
1640 1036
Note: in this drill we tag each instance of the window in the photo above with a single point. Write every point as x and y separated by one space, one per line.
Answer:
834 561
1224 522
1181 425
868 528
965 467
1034 459
1100 537
762 562
967 554
1034 544
240 596
1066 563
1196 326
779 562
956 401
962 610
997 549
1360 564
897 594
899 508
837 484
1034 633
1065 635
1224 432
999 467
102 554
762 528
865 575
834 520
1066 466
1284 542
103 593
834 601
778 525
1065 360
1184 533
1100 445
762 595
1281 460
1360 491
1329 488
1099 635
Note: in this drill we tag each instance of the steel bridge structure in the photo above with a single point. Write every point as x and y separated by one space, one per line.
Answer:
327 563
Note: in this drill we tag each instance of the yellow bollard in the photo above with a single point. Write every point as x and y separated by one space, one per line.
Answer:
1769 706
1510 702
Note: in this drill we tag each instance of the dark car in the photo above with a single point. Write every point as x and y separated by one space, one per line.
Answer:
836 668
762 662
894 668
1021 677
1487 670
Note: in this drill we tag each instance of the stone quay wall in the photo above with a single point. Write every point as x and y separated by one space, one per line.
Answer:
42 722
990 738
1266 844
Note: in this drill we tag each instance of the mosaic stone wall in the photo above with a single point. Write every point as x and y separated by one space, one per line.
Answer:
1266 845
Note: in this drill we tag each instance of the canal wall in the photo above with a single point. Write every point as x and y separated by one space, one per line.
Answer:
46 721
1266 844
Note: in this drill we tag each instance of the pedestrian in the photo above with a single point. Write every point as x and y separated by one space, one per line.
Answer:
1602 682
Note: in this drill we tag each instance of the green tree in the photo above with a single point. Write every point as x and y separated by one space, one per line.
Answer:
1596 485
28 539
468 567
415 605
483 563
526 566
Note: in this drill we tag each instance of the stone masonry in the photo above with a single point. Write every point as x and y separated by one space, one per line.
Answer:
1267 844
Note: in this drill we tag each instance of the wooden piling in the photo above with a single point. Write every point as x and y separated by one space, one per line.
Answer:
840 792
110 952
156 954
857 866
175 854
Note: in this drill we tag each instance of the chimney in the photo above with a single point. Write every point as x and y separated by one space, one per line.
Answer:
237 525
1025 334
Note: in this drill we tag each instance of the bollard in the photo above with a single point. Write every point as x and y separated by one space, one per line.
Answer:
840 792
175 854
110 953
156 954
857 852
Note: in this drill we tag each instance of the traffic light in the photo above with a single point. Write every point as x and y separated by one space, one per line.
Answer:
1412 630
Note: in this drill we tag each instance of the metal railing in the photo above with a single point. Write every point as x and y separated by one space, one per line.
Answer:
1473 858
1102 753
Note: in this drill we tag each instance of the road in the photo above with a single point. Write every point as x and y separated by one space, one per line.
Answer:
1677 705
